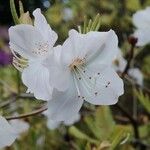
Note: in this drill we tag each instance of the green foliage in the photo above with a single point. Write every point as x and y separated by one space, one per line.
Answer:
97 129
144 99
105 132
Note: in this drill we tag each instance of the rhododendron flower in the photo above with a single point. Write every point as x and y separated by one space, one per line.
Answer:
137 75
84 71
7 133
141 20
34 43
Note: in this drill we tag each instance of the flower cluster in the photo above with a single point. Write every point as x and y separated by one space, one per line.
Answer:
66 75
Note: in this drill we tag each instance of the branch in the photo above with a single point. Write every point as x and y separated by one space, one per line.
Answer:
35 112
133 42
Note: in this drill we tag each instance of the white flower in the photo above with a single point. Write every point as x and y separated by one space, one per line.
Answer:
34 43
7 133
119 62
141 20
137 75
67 14
52 124
19 126
85 73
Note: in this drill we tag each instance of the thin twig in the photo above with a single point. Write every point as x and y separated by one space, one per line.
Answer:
133 42
33 113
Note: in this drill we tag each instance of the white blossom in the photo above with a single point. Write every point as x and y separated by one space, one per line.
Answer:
141 20
84 72
34 43
7 133
137 75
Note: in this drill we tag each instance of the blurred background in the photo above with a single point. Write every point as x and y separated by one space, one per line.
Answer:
125 126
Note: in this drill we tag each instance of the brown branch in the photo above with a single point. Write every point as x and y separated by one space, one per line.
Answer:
33 113
133 42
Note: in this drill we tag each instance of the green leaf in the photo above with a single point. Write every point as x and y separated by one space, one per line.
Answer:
119 135
14 12
101 123
143 99
80 135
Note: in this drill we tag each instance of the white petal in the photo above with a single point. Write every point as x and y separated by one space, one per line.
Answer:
100 85
107 52
60 75
98 46
64 105
19 126
36 78
143 36
41 24
7 133
73 119
136 74
28 42
51 124
119 62
141 19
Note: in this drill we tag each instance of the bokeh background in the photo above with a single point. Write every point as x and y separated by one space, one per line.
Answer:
125 126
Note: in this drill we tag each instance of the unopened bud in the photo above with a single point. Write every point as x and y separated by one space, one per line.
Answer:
132 40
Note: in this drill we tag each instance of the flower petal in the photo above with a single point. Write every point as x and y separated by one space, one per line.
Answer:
41 24
90 46
60 75
136 74
119 62
36 78
27 41
51 124
143 36
64 105
141 19
100 85
7 133
19 126
107 52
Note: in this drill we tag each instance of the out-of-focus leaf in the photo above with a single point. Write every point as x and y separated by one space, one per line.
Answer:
53 14
88 146
101 123
119 135
144 99
145 131
80 135
133 5
105 145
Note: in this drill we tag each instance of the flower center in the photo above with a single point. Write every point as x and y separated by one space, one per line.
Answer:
76 63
